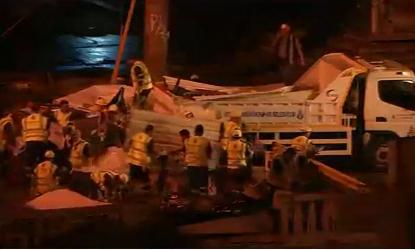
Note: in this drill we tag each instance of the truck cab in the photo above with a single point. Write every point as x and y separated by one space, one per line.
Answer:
354 107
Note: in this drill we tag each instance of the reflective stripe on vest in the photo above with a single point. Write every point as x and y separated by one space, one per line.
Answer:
34 128
3 122
63 118
77 158
138 153
236 154
196 147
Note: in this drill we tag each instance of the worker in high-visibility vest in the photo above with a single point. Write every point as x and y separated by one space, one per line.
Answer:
197 153
79 152
142 82
229 126
64 114
44 175
237 154
35 134
302 143
140 153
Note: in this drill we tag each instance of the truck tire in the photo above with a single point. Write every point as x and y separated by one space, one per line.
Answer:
376 152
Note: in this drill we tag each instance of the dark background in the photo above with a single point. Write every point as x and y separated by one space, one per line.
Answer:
76 35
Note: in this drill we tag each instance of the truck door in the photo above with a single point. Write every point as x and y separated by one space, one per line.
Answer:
389 113
354 107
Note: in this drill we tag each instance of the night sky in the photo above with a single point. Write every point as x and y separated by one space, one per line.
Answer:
74 34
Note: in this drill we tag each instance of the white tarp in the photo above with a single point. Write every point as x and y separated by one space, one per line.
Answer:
85 98
325 71
62 199
196 86
159 100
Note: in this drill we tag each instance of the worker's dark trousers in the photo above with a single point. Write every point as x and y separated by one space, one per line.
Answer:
142 97
34 153
235 178
198 177
139 173
82 183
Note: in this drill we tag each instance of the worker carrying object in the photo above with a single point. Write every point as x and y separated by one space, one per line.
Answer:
142 82
197 153
63 114
35 134
79 152
44 175
139 155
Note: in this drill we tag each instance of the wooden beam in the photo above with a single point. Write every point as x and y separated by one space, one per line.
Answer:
123 40
156 37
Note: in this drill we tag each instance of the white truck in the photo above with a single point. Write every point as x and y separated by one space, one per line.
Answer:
354 108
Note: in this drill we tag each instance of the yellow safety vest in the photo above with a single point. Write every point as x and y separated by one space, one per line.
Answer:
229 127
77 159
236 150
300 143
44 174
34 128
196 155
138 153
3 122
63 118
146 82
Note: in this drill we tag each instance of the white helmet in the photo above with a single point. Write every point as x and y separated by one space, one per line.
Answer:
237 133
49 154
113 108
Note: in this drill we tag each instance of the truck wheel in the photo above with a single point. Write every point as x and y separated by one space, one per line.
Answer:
376 153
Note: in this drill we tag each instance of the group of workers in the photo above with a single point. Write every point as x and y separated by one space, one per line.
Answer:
46 157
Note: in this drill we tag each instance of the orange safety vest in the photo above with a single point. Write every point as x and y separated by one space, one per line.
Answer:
138 153
34 128
196 148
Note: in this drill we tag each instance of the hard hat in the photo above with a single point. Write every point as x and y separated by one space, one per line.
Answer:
113 108
284 26
100 101
194 77
237 133
235 113
306 129
49 154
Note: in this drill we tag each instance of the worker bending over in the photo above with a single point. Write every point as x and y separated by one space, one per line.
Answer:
44 175
197 154
35 135
139 154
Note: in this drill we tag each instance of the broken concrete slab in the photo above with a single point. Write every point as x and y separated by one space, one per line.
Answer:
261 222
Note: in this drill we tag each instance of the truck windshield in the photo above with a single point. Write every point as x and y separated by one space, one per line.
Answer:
398 92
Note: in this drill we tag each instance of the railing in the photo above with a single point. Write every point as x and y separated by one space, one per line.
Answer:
305 213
